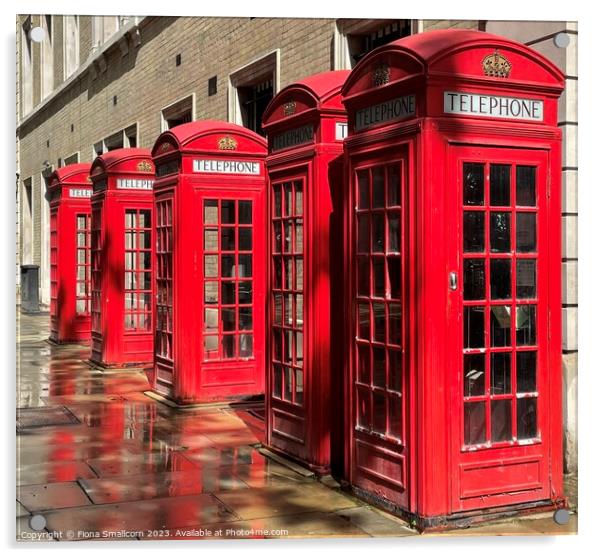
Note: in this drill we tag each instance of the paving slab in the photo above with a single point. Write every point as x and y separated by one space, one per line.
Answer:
52 496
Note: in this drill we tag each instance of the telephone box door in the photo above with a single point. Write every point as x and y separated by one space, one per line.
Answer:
499 326
379 348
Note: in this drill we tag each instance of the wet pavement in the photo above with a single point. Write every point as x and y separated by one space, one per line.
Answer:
120 465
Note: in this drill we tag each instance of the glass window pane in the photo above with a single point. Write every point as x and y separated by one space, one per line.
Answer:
474 279
501 420
380 321
393 186
245 292
363 276
130 218
144 219
81 239
210 211
228 238
81 222
245 212
500 278
211 292
211 239
379 412
363 408
500 373
288 199
211 265
363 187
378 233
245 239
526 234
288 309
474 231
228 346
288 346
298 386
526 372
299 309
378 273
525 186
525 278
80 306
363 233
245 319
228 292
228 319
288 384
378 187
298 236
299 348
277 201
288 273
288 236
500 232
277 266
394 271
526 417
245 265
500 326
246 346
395 324
394 428
277 382
299 273
379 378
474 374
500 184
394 233
211 347
526 326
211 319
474 180
395 370
277 309
130 240
474 423
364 320
474 327
228 213
228 267
277 344
277 237
298 198
363 363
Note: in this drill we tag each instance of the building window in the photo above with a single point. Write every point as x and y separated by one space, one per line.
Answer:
354 38
70 44
47 54
180 112
127 137
251 89
71 159
26 69
103 27
27 222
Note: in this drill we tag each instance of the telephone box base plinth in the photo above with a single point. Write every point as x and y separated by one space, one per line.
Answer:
459 520
125 366
243 403
313 469
79 341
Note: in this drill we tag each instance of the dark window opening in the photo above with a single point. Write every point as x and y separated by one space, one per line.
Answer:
212 86
254 99
362 44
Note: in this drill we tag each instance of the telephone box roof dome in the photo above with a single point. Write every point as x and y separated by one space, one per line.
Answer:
186 135
115 158
459 53
323 84
77 172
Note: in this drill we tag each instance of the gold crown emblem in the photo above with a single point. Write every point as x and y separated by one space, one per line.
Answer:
144 166
164 146
289 108
226 143
381 75
496 65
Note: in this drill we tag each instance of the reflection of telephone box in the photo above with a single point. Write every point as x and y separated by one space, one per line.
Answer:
210 253
453 248
69 192
122 265
306 124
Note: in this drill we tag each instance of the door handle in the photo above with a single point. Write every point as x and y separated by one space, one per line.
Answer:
453 280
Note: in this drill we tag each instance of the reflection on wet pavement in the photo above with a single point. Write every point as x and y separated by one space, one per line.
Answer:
133 468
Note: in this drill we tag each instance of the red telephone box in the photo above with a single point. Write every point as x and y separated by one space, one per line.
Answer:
306 124
211 263
453 247
122 267
69 192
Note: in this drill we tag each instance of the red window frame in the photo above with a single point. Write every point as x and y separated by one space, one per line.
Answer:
228 279
164 274
288 268
138 270
96 236
83 264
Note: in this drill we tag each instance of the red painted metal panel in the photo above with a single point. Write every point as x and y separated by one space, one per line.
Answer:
69 191
305 124
122 266
211 264
472 120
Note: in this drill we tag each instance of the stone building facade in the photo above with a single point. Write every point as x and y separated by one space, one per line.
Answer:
96 83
